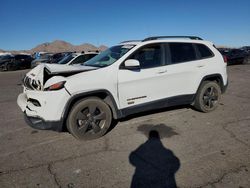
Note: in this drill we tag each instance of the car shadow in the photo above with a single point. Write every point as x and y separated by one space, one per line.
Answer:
155 165
150 112
155 111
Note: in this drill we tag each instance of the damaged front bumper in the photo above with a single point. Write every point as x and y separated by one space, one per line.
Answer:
41 124
43 109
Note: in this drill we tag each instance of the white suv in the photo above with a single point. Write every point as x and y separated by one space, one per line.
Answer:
128 78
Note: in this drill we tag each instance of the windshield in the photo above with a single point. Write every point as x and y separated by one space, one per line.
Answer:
67 59
109 56
4 57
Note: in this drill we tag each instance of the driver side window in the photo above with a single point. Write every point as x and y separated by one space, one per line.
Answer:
149 56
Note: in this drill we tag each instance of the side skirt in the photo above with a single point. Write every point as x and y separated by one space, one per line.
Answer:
158 104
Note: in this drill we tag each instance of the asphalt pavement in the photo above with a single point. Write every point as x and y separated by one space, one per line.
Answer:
167 148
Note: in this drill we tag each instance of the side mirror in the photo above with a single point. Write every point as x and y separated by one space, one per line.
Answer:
132 64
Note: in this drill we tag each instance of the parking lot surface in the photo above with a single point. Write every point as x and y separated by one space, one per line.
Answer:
193 149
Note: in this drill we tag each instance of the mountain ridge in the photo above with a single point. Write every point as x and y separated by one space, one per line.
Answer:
59 46
63 46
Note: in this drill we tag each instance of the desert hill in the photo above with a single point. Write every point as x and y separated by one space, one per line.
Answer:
60 46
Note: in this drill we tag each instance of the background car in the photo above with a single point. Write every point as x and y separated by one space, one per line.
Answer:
5 61
76 58
41 57
14 62
234 56
4 53
246 48
55 58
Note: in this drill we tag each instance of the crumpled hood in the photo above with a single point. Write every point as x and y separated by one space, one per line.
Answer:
56 68
37 77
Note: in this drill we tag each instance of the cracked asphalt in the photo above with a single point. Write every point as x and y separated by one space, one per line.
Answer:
193 149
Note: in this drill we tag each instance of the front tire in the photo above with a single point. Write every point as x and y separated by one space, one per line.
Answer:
89 118
208 96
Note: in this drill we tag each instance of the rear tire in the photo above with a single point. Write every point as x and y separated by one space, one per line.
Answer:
208 96
89 118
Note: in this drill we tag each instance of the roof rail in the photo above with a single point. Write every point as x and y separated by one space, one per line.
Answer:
130 41
162 37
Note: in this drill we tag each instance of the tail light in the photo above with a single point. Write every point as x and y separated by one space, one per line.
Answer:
225 58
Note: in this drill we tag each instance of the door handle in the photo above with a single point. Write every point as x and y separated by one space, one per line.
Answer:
199 66
162 71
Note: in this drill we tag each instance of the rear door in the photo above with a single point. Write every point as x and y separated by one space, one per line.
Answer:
183 70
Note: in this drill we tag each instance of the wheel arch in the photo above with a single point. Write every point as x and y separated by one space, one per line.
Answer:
213 77
102 94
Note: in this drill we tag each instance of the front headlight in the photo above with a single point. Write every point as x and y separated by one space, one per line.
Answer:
56 86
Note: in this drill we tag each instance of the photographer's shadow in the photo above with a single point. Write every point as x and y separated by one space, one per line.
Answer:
155 165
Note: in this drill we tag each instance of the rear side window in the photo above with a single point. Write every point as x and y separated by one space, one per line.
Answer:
182 52
204 51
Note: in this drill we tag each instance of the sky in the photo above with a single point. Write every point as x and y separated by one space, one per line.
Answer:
27 23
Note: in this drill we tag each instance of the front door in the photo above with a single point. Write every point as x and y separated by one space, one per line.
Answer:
143 85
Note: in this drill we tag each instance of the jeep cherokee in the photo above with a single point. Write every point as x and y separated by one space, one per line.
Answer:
128 78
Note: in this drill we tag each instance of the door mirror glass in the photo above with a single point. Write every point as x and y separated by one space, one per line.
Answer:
132 64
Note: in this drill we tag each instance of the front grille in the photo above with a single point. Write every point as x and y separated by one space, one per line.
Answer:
27 83
31 84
